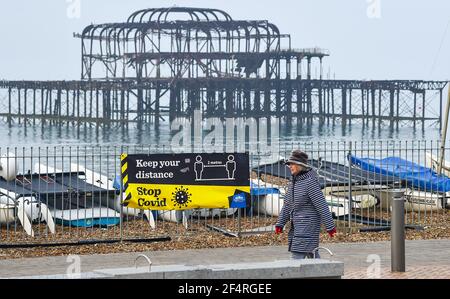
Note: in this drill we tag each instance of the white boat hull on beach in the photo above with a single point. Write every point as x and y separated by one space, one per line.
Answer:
101 181
8 166
103 215
416 201
271 204
338 205
363 196
420 201
336 196
26 209
7 213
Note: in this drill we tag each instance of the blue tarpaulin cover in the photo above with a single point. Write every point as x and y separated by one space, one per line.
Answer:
261 189
415 175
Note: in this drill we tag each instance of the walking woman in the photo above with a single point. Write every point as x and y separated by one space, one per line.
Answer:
306 208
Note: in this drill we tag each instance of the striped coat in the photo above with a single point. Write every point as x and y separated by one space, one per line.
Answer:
305 206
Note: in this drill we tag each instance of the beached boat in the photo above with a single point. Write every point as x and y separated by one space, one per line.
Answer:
432 161
415 200
271 204
339 206
7 213
270 199
412 174
71 200
114 199
334 181
17 202
87 217
425 190
24 208
267 198
330 174
424 201
8 167
363 196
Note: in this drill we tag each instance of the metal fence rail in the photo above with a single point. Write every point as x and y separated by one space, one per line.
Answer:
63 194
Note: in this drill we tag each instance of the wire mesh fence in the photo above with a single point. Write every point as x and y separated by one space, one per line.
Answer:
63 194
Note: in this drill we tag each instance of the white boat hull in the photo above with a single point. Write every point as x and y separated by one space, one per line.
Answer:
170 215
88 217
102 181
421 201
8 166
7 213
338 205
97 180
32 207
27 210
415 201
270 204
86 213
364 196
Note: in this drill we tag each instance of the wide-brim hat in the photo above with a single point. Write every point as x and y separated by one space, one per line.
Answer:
292 161
299 158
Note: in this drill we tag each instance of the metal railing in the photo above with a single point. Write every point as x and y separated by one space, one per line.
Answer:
63 194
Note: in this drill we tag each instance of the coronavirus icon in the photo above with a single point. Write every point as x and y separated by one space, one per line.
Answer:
181 197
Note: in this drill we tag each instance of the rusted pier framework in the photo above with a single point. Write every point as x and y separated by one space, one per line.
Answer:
166 63
156 100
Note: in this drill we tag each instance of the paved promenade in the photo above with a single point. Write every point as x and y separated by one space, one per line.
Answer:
424 259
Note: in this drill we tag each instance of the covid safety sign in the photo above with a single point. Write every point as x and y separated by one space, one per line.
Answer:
185 181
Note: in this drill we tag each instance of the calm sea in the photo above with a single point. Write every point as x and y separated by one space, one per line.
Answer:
49 135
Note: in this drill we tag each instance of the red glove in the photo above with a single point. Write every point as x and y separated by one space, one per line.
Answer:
332 232
278 229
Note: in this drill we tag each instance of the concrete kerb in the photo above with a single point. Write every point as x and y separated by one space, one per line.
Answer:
312 268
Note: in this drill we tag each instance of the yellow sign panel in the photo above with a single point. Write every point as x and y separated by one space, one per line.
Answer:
185 181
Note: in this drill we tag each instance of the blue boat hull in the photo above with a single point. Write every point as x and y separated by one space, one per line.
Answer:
95 222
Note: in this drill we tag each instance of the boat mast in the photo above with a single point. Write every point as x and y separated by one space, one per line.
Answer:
444 133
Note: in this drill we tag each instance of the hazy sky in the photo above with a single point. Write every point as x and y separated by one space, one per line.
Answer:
397 39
